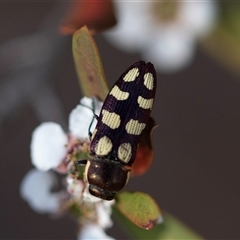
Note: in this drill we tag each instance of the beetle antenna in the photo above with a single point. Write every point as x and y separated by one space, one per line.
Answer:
94 116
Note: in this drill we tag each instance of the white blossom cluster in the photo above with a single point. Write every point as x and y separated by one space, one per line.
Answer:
50 148
164 32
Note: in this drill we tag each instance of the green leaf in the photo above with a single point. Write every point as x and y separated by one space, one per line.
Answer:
171 228
88 65
139 207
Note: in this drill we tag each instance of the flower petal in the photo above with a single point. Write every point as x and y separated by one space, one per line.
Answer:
48 146
171 50
80 118
199 17
93 231
36 190
133 23
104 211
75 187
87 197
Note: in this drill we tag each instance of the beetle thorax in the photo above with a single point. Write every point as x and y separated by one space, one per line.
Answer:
106 177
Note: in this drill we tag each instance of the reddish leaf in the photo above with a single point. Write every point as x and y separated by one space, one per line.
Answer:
145 152
140 208
89 65
97 15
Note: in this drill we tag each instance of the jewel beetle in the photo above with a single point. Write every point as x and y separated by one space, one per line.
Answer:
122 119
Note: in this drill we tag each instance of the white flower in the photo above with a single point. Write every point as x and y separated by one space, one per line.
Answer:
87 197
93 231
169 44
104 211
74 187
51 148
48 146
36 190
80 118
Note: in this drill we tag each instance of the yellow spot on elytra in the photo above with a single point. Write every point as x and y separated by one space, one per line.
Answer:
134 127
111 119
103 147
125 152
148 81
131 75
119 94
145 103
